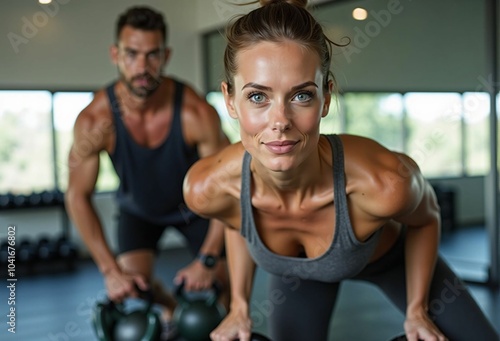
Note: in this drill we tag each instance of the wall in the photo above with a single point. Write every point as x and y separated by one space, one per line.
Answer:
65 45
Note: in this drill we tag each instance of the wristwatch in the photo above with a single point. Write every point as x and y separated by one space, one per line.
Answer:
208 261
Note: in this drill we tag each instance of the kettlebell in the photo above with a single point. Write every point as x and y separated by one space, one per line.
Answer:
114 322
401 337
196 317
257 337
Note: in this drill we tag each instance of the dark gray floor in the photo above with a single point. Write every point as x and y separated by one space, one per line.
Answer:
57 306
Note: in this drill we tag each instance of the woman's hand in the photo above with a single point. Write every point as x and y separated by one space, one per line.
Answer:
236 325
418 326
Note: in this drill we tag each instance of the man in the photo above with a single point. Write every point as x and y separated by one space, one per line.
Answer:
153 128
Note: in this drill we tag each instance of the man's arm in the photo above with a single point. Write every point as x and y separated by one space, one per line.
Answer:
83 164
83 171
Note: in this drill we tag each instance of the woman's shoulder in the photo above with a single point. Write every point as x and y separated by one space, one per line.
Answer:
368 152
225 164
377 176
351 140
213 183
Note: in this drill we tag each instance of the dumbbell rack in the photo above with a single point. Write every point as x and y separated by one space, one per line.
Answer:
46 253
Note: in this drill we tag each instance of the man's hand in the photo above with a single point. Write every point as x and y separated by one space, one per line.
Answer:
120 285
196 277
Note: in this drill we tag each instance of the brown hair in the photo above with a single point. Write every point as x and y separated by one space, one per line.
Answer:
275 21
142 18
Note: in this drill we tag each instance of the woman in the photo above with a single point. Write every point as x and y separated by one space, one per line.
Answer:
313 210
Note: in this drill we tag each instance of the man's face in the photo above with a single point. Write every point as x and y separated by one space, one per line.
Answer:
140 57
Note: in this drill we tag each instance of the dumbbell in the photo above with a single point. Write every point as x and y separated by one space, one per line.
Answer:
6 201
48 198
4 252
46 249
34 199
59 197
26 252
20 200
66 250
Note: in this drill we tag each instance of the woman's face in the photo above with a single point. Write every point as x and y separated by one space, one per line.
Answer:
278 99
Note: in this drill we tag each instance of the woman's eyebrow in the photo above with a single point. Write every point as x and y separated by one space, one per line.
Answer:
267 88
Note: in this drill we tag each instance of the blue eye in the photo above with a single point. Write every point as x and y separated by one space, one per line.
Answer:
256 97
303 96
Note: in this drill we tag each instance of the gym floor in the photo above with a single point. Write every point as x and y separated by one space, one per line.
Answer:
54 305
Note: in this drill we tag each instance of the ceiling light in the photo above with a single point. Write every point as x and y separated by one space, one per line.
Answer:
359 13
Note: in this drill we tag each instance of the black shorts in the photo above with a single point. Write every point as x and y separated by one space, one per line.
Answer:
135 233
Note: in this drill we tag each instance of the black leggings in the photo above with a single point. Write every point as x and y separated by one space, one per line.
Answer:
304 308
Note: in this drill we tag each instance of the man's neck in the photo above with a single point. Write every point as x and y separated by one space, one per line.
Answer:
141 104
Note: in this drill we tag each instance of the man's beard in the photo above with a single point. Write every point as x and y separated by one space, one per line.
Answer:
142 91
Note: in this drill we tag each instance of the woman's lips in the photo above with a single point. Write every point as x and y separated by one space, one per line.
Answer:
280 147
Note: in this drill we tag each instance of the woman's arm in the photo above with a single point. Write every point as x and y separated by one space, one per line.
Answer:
422 243
237 323
419 211
385 186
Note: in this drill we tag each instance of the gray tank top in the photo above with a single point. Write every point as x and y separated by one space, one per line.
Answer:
345 257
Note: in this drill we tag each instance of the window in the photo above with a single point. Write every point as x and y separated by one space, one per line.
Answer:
374 115
26 158
36 132
67 106
433 127
229 125
476 132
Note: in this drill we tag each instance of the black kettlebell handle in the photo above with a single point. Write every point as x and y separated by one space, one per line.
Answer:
257 337
146 295
180 293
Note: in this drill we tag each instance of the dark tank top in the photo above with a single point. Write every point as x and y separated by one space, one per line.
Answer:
151 178
345 257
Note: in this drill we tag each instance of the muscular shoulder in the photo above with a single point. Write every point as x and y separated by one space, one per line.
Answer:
212 185
383 182
196 113
94 124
